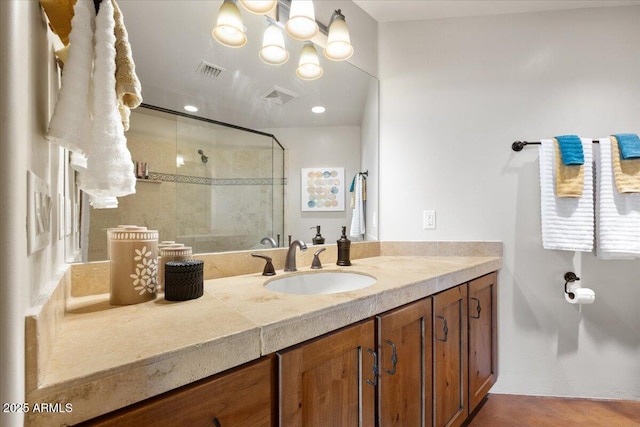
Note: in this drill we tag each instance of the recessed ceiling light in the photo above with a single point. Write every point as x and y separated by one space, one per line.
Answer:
318 109
191 108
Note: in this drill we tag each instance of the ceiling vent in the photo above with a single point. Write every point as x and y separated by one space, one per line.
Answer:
278 95
209 70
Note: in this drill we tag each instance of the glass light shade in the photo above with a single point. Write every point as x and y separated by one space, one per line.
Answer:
302 20
338 46
259 7
273 51
309 65
229 30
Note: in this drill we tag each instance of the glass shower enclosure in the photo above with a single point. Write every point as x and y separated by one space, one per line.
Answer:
209 185
230 188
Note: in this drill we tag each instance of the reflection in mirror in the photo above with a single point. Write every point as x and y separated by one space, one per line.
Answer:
248 93
207 185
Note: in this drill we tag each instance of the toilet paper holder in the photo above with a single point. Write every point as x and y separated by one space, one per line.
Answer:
570 277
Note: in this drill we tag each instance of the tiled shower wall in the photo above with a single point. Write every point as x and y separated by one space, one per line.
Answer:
224 204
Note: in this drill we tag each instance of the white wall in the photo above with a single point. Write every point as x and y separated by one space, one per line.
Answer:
454 95
28 83
317 147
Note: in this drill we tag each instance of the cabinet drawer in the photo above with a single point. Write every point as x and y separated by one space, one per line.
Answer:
242 397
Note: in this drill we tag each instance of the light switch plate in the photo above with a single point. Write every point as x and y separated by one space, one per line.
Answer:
38 213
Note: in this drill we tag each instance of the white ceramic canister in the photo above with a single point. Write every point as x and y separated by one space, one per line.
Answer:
176 252
134 265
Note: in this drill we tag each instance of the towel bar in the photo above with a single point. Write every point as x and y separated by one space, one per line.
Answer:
519 145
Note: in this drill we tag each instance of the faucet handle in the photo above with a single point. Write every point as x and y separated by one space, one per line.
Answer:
316 264
269 270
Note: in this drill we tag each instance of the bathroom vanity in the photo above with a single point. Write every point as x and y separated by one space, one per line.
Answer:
419 344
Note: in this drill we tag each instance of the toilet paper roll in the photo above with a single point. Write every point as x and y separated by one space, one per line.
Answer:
580 296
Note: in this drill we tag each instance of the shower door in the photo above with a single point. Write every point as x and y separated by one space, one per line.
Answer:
230 186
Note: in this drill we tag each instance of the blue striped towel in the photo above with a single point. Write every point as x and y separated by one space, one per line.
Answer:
570 149
629 145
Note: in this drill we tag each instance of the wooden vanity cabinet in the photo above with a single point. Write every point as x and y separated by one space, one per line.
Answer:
244 396
428 363
483 337
331 380
450 365
405 358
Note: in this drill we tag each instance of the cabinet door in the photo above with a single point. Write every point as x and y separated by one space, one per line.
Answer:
405 349
243 397
330 381
450 357
483 339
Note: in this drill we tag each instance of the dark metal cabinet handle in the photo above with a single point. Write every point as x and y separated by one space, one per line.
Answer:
374 369
216 422
479 309
445 329
394 358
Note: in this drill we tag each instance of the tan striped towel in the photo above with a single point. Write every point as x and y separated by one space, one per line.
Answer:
569 179
625 172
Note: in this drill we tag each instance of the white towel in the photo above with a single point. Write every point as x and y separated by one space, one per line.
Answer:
617 215
70 125
109 167
104 202
567 223
357 218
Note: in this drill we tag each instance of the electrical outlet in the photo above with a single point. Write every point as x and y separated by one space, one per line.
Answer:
429 220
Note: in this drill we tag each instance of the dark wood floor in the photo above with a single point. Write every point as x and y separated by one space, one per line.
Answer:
503 410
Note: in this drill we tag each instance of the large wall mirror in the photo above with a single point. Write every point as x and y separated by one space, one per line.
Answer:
179 63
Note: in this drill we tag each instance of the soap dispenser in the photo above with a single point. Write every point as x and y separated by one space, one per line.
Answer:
344 249
318 240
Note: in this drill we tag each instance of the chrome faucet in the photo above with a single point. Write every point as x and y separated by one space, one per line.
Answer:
269 240
290 261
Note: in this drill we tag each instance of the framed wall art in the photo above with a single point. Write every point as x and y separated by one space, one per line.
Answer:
322 189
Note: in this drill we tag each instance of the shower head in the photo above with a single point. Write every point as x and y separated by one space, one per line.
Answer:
204 158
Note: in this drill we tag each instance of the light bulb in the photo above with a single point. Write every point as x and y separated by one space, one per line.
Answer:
259 7
273 51
309 65
302 20
229 30
338 46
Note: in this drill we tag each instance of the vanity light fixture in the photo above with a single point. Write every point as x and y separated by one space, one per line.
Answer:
301 24
259 7
179 160
191 108
309 65
229 29
338 46
273 50
318 109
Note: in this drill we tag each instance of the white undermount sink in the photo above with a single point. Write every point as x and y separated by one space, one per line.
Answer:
314 283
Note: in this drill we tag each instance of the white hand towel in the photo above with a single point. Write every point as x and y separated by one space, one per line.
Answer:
617 215
70 124
109 167
357 219
104 202
567 223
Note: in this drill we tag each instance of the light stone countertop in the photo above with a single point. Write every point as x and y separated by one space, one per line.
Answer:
107 357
